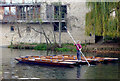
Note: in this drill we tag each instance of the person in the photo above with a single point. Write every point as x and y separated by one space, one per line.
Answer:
78 46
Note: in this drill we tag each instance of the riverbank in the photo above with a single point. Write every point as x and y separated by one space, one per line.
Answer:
44 46
97 48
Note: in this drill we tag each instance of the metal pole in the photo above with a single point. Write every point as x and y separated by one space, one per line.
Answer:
78 47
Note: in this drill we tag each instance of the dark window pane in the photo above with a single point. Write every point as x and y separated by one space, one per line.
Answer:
63 27
63 11
56 12
56 26
12 28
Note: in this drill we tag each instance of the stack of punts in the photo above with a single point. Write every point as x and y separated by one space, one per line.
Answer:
63 60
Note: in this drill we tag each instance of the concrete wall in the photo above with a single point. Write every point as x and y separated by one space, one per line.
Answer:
76 25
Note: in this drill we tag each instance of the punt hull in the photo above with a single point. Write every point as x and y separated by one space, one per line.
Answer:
47 63
63 60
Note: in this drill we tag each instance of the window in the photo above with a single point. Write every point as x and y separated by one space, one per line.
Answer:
12 28
52 11
56 12
28 29
63 11
49 11
63 27
56 26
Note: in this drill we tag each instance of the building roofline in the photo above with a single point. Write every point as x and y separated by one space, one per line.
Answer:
20 4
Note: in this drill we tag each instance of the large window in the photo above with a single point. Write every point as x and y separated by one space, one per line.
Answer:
56 26
52 11
63 12
57 12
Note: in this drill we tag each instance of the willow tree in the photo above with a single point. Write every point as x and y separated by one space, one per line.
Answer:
99 20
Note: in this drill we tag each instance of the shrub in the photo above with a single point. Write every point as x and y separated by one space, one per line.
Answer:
40 47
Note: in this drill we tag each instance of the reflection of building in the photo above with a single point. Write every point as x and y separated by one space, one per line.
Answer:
28 15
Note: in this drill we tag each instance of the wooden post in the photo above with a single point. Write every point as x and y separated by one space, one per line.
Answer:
9 10
33 12
38 12
26 13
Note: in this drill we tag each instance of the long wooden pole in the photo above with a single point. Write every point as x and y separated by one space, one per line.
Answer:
78 47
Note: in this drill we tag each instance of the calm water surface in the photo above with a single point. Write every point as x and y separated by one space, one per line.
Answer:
11 69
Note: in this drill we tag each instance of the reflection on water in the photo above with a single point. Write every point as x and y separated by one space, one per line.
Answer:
78 71
13 69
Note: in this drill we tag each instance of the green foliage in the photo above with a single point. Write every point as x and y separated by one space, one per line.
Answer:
22 43
67 44
74 50
33 43
62 49
57 3
99 21
40 20
65 47
41 47
10 46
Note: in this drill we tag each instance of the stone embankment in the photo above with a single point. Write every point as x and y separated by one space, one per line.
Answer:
103 48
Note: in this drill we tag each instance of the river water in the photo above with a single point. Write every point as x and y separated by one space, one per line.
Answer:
11 69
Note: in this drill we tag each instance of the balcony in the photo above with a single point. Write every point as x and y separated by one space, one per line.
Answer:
30 18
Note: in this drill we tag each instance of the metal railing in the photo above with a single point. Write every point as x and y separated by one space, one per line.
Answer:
30 18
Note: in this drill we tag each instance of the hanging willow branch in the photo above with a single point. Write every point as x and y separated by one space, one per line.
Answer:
100 21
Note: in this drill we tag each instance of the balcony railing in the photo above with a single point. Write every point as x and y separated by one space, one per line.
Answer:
30 18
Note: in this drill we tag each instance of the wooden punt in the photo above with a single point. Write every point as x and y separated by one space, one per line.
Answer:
63 60
45 61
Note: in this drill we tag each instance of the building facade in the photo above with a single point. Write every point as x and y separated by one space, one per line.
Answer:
32 21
